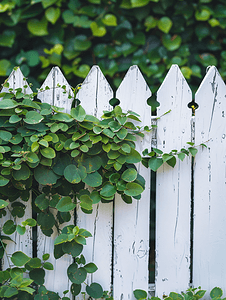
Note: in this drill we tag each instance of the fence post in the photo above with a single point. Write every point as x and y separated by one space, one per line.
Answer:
209 266
94 95
22 242
131 221
173 192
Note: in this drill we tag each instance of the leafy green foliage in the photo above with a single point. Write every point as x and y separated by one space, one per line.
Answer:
115 35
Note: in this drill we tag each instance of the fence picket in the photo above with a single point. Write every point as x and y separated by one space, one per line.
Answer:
52 92
56 280
131 222
22 242
16 80
173 187
94 95
209 266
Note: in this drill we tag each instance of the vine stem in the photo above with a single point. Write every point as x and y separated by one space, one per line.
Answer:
5 253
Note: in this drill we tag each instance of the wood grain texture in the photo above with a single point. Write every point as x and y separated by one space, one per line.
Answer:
131 221
173 189
209 266
55 95
94 95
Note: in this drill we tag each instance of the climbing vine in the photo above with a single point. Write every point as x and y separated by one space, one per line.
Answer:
63 161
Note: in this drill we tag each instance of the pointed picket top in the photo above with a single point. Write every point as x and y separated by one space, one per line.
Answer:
133 93
16 80
95 93
52 93
173 95
211 100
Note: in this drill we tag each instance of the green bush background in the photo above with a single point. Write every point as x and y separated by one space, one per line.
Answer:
115 34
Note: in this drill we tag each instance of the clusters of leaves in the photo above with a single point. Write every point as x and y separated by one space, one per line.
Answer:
71 242
41 146
191 294
158 157
114 34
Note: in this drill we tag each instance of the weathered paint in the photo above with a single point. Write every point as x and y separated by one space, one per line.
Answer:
51 91
209 266
173 191
94 95
131 221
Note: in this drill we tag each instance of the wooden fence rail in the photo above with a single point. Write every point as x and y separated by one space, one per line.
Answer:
189 248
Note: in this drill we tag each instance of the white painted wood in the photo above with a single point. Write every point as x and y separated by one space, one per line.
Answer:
94 95
16 80
22 242
209 265
55 95
56 280
131 221
173 187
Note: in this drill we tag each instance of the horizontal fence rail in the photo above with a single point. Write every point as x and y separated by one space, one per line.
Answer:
190 220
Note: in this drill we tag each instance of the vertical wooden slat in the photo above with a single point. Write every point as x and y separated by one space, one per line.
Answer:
51 93
173 190
22 242
94 95
209 266
17 80
131 221
56 280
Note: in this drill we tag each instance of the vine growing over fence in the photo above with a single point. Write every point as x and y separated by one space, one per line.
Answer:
65 161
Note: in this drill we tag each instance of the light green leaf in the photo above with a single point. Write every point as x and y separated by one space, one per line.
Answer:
110 20
19 259
52 14
165 24
38 28
98 30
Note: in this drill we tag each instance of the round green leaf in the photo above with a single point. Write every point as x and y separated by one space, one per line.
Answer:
216 292
75 274
44 175
33 117
93 179
42 202
78 113
110 20
5 135
75 289
133 157
164 24
97 30
11 291
48 152
171 43
48 266
108 190
20 229
72 175
3 203
6 104
38 28
45 256
3 181
52 14
91 268
65 204
9 227
129 175
95 290
133 189
37 275
22 174
81 43
140 294
19 259
72 248
34 263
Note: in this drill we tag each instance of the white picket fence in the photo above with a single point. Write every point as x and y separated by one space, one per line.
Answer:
127 226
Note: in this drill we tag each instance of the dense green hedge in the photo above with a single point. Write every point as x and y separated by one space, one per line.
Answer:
115 34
